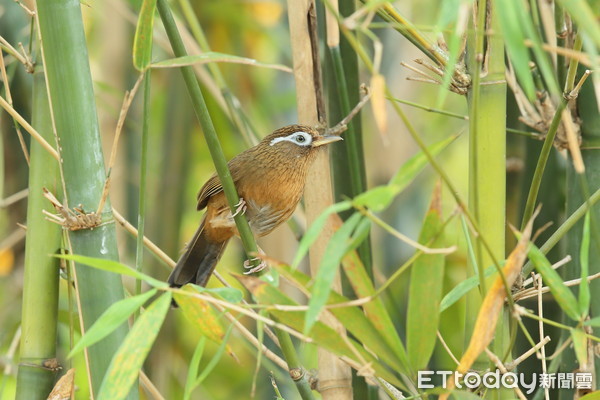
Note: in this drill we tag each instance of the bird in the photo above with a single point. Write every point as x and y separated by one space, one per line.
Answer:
269 178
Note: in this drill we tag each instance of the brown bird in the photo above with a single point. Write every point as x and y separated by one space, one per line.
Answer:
269 179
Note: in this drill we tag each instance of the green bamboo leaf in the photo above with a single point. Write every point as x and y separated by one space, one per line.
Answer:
591 396
114 266
375 311
215 359
142 41
380 197
129 358
463 288
583 14
580 343
564 297
322 335
111 319
593 322
352 317
584 286
200 313
193 368
514 38
313 232
463 395
212 56
229 294
541 57
425 293
335 251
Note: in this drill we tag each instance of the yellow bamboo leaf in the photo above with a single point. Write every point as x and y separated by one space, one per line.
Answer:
7 260
378 102
487 318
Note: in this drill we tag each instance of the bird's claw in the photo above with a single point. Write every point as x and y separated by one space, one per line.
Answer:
240 208
251 269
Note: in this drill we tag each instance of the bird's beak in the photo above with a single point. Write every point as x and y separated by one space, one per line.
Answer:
321 140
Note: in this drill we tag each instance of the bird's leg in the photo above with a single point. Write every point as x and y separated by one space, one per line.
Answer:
240 208
251 269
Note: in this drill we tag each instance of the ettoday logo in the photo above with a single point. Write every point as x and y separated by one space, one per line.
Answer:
510 380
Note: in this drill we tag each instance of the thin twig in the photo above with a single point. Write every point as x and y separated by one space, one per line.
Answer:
129 96
149 386
9 99
4 104
343 124
13 198
445 345
513 364
503 369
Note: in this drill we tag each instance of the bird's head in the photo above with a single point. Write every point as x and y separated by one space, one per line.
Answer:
297 140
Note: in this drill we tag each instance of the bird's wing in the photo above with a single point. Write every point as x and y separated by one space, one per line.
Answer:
210 188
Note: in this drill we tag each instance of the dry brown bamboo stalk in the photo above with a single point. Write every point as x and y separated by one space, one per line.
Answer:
335 377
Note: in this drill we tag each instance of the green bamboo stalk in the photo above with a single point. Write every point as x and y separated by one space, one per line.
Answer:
40 282
208 128
139 251
214 147
236 114
341 69
351 158
76 122
296 371
587 108
487 152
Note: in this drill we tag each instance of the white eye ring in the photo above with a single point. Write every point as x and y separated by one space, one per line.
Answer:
298 138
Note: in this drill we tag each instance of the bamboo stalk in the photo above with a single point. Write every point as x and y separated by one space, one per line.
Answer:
487 152
76 123
212 141
335 378
35 378
208 128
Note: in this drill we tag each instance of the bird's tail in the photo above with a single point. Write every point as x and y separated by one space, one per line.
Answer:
198 261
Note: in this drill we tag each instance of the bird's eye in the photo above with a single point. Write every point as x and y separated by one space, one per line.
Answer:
300 139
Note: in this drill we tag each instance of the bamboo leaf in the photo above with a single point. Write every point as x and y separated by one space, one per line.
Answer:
335 251
380 197
142 41
463 395
322 335
315 229
425 291
593 322
583 14
212 56
463 288
193 368
595 395
564 297
111 319
352 317
205 318
514 38
114 266
215 359
378 103
229 294
129 358
584 286
580 343
374 309
487 318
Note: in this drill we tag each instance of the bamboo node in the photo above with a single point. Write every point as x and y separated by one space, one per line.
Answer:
73 220
296 374
52 364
